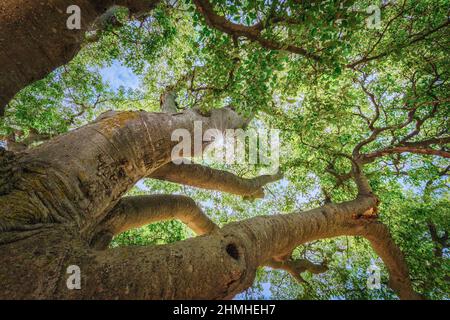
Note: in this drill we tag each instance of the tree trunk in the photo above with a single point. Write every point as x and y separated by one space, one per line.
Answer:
61 200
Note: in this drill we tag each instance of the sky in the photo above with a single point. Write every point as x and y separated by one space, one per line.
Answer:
118 75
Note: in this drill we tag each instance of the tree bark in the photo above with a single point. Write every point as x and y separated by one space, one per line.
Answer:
214 266
134 212
206 178
79 176
61 202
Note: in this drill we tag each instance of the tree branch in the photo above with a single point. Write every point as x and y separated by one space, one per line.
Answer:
418 147
93 166
55 46
168 102
224 263
200 176
414 39
136 211
441 242
252 33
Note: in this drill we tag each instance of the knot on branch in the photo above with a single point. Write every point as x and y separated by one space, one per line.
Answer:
370 214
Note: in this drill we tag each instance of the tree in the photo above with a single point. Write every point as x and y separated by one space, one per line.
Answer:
359 108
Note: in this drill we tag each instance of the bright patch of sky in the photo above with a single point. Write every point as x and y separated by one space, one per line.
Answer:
118 75
141 185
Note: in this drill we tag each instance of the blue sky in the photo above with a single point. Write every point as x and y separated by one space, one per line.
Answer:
117 75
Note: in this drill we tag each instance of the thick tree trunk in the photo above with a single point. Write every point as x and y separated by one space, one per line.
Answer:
54 197
78 177
61 203
214 266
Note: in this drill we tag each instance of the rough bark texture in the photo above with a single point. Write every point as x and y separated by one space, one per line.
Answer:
218 265
61 202
79 176
56 198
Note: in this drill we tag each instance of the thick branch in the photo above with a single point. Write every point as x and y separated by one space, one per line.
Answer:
207 178
137 211
383 244
82 174
168 102
38 29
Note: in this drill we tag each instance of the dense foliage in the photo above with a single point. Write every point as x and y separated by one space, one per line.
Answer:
357 86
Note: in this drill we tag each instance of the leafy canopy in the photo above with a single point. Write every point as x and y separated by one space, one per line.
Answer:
353 87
